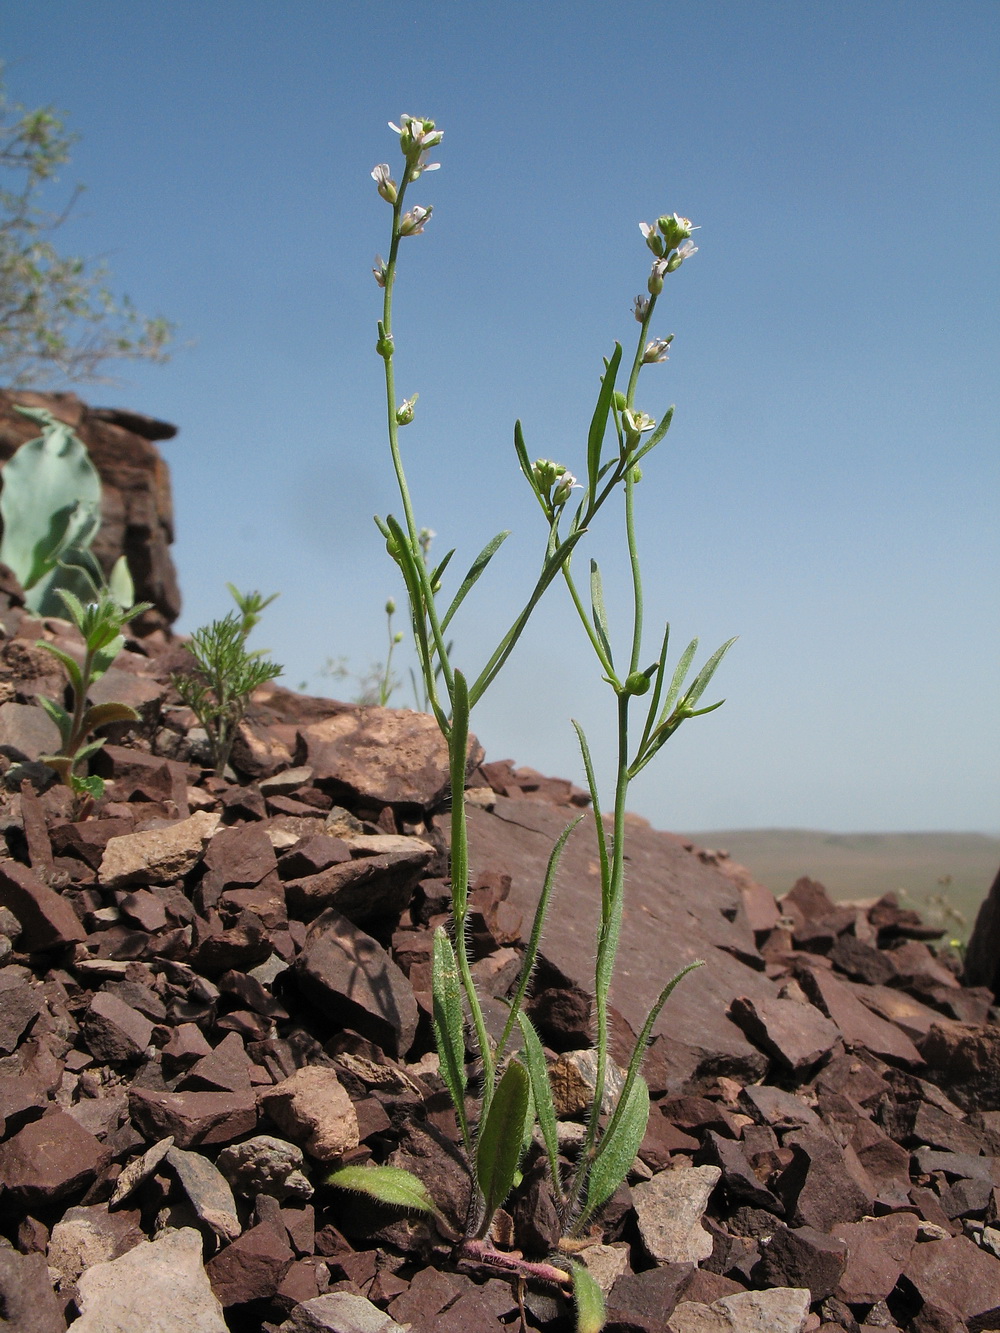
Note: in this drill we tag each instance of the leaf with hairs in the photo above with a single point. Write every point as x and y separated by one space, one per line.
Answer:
599 610
498 1151
388 1184
541 1091
618 1148
98 715
448 1023
60 717
70 663
588 1300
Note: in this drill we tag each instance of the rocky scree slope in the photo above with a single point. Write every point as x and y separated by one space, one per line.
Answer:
214 990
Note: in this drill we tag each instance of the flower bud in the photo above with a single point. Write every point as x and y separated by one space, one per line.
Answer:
398 636
381 271
654 241
404 412
562 491
416 135
385 347
655 283
621 402
390 607
387 187
674 229
637 683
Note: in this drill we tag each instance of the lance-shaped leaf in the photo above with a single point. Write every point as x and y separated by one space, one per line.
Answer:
498 1151
388 1184
60 717
599 421
478 565
535 938
599 610
618 1148
448 1023
105 657
70 663
588 1300
98 715
655 438
541 1092
703 677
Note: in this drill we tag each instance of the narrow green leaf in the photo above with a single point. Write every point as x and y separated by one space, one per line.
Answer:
475 570
70 663
595 801
522 458
59 716
706 673
535 938
85 751
458 745
98 715
541 1091
641 1043
654 699
388 1184
550 569
680 672
588 1300
499 1148
438 574
448 1023
599 421
618 1148
599 609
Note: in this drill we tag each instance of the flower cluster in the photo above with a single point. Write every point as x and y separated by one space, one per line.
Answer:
555 482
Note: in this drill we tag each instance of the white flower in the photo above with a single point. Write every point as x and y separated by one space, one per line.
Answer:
637 423
656 350
387 187
380 271
653 239
416 135
684 251
413 222
567 483
421 165
655 283
641 307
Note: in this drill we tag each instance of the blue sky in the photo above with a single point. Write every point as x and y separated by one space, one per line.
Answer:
829 487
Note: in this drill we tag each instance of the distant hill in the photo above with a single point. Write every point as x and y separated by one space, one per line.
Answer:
929 871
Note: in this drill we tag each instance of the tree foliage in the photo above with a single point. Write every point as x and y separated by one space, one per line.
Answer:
58 318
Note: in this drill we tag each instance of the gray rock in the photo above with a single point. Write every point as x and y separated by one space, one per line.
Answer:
159 1286
157 856
670 1208
90 1235
780 1310
265 1165
208 1190
340 1312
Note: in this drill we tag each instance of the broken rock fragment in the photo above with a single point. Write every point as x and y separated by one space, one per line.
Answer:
780 1310
265 1165
312 1107
159 855
159 1286
670 1208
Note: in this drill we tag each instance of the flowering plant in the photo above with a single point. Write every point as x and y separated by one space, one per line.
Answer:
512 1092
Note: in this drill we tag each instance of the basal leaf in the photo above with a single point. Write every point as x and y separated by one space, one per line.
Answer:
448 1023
588 1300
499 1148
618 1148
388 1184
541 1091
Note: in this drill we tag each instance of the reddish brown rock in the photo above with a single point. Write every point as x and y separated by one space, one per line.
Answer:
49 1159
370 889
818 1188
877 1252
859 1026
115 1033
803 1257
965 1060
47 920
226 1069
192 1118
27 1301
381 756
956 1276
355 982
252 1267
796 1034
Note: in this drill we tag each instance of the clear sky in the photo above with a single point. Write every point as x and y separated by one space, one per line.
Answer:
829 489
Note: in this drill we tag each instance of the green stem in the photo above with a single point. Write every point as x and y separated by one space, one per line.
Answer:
588 627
